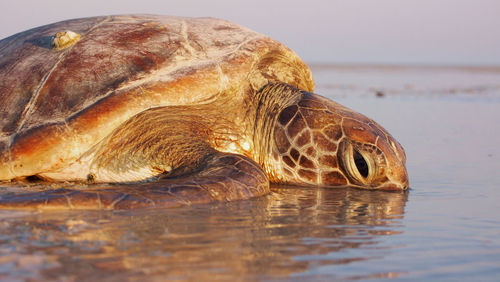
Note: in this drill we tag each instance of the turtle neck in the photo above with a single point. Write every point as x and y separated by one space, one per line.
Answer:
269 101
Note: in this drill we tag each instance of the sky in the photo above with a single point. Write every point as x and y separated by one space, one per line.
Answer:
415 32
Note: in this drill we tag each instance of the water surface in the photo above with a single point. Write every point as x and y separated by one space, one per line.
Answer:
447 227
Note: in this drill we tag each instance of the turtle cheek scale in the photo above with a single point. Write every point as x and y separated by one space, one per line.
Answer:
319 142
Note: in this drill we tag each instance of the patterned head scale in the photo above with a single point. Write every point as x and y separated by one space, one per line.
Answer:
320 142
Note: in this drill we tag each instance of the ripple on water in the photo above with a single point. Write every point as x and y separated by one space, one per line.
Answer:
287 232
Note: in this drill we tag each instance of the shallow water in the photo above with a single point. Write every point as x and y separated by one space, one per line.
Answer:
446 228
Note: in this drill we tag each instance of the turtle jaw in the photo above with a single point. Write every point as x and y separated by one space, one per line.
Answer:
398 179
394 186
397 175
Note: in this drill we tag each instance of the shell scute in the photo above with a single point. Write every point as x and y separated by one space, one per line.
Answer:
26 59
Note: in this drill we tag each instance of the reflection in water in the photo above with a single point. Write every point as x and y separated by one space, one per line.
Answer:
291 232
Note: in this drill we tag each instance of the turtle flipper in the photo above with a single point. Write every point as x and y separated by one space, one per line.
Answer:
223 177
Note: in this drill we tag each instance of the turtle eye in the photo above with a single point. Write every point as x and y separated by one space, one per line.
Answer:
361 164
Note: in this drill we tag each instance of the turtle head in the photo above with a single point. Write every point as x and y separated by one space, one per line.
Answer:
320 142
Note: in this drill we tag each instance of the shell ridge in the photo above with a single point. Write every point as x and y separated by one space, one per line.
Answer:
184 33
30 105
166 72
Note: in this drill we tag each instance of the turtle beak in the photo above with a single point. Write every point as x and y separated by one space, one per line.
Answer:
398 180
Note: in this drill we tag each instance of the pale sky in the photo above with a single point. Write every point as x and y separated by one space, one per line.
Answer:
435 32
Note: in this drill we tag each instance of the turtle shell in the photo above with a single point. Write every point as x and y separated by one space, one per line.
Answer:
58 102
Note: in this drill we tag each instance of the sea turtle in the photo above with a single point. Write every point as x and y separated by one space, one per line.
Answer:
185 110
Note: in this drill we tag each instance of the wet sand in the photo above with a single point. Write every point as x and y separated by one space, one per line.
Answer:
445 228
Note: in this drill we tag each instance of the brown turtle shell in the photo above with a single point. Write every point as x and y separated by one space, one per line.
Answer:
58 102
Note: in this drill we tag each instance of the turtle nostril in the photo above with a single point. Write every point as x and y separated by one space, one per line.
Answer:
361 164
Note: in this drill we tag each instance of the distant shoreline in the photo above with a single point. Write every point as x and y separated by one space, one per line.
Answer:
354 66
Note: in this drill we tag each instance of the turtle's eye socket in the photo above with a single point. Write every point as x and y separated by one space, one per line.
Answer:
361 164
358 163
